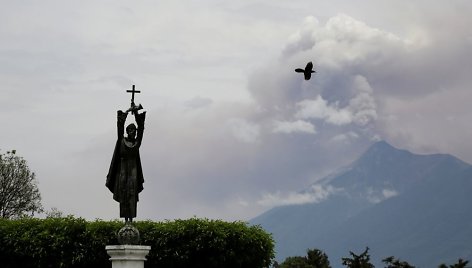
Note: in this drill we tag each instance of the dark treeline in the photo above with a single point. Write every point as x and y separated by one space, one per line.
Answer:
316 258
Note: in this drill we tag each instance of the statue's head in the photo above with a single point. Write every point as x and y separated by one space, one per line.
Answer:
131 131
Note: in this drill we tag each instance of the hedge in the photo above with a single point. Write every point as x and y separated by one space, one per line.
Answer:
75 242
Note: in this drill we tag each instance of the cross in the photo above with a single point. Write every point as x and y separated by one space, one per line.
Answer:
132 92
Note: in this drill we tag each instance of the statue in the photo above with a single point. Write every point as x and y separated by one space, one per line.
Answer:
125 177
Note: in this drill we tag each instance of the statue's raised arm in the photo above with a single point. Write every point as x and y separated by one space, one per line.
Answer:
121 119
140 122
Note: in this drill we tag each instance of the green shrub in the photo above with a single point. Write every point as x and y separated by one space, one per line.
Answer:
74 242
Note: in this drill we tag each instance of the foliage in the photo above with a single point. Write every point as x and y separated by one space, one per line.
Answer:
396 263
74 242
295 262
19 194
460 264
315 259
358 261
318 259
207 243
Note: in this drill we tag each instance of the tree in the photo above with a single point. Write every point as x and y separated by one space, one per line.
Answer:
396 263
54 213
358 261
460 264
315 259
19 193
295 262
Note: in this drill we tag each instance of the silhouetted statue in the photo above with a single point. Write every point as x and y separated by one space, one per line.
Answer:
307 71
125 177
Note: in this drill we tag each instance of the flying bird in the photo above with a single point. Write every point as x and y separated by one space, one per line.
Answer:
308 70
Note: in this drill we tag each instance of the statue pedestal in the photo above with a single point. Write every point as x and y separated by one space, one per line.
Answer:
127 256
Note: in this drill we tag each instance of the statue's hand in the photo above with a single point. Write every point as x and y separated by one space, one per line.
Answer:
121 115
134 108
140 119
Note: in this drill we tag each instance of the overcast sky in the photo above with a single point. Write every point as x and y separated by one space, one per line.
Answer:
231 129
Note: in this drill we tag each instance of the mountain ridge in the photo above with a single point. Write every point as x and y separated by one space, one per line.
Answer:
383 184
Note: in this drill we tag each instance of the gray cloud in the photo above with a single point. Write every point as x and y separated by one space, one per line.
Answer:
315 194
299 126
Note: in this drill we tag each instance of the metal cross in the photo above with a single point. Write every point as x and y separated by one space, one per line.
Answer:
132 92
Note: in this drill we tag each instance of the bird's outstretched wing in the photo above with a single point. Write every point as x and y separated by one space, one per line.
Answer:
298 70
309 66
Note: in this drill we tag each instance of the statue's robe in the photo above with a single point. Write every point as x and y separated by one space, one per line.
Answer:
125 178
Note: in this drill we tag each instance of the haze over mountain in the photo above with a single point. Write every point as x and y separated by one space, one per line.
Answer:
414 207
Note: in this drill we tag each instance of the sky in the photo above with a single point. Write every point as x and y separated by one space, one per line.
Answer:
231 130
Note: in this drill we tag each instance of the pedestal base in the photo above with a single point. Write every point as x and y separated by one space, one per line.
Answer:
127 256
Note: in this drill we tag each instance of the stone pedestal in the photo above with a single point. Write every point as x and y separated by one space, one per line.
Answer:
127 256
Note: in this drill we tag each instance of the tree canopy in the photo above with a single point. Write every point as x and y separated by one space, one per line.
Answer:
460 264
358 261
19 193
314 258
396 263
